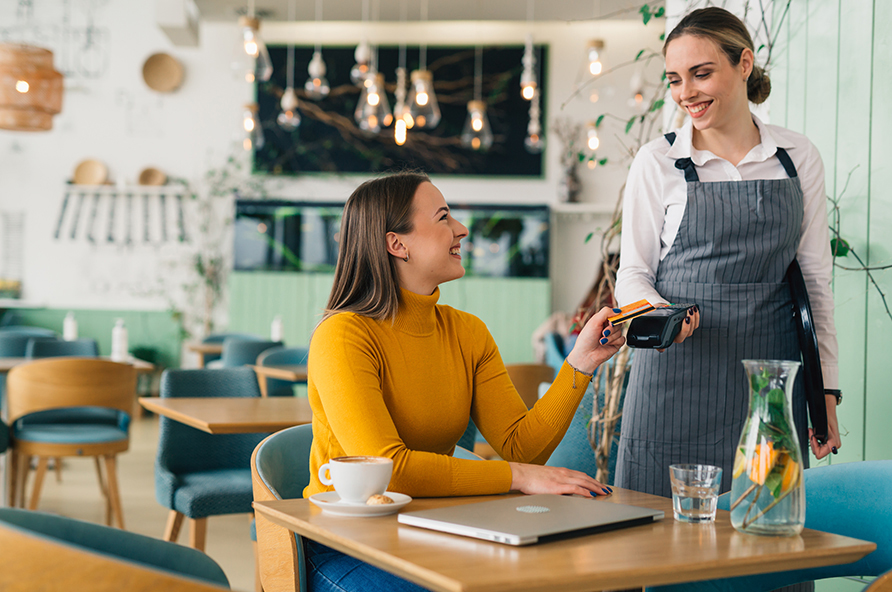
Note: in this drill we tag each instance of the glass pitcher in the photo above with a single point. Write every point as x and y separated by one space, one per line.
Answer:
767 493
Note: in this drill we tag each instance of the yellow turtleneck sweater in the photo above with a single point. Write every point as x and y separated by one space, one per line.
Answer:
405 390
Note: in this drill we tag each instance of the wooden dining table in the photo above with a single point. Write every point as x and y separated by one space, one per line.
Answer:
233 415
664 552
288 372
203 349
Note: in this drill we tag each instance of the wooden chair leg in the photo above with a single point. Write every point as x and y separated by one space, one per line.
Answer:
174 522
103 487
58 466
42 464
24 470
258 585
11 478
198 530
114 495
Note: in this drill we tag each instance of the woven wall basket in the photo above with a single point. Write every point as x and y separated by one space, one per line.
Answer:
30 89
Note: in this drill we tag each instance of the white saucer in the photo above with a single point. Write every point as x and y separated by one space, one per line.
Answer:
332 504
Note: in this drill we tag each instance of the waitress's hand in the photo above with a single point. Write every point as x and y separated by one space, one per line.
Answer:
558 480
691 322
834 442
597 342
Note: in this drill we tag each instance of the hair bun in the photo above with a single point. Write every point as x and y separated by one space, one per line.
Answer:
758 86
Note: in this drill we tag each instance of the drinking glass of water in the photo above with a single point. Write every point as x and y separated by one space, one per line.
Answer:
695 491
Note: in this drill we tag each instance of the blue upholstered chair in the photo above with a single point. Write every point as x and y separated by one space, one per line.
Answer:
849 499
280 469
118 544
239 352
29 331
54 348
220 338
282 356
48 387
197 474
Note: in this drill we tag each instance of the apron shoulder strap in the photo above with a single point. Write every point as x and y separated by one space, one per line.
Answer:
787 162
685 164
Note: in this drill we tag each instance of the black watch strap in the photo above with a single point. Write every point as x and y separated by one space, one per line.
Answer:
836 393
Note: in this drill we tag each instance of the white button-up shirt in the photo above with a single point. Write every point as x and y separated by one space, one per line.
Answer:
655 200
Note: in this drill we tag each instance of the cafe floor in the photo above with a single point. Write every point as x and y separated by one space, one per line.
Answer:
77 496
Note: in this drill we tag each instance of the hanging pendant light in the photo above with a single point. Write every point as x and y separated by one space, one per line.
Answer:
251 61
402 115
528 76
373 110
30 89
593 54
289 119
534 142
423 105
477 135
363 52
591 136
317 84
253 130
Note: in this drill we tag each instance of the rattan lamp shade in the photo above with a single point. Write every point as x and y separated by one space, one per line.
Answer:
30 89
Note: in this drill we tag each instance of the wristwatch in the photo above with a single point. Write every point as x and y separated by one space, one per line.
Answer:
836 393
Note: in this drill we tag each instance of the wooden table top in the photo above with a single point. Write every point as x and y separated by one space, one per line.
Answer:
664 552
233 415
292 372
35 563
7 364
206 348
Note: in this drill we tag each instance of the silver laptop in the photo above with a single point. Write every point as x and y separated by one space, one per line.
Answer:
531 518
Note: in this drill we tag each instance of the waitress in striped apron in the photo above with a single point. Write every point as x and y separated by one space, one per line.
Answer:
714 214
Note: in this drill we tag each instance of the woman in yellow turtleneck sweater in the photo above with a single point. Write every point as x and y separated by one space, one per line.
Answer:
392 373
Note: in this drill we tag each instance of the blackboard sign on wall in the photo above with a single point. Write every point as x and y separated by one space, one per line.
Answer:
328 139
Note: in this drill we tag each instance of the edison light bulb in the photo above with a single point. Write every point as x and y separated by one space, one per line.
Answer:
373 111
253 130
288 119
594 57
258 67
423 106
22 86
362 55
399 131
477 134
317 85
592 139
527 77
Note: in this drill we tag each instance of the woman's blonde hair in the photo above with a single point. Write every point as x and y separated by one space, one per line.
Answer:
366 280
731 35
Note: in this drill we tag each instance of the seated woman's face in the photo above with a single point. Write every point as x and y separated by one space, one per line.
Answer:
434 244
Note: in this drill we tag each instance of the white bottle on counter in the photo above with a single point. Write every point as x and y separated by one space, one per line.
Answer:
69 327
119 342
277 329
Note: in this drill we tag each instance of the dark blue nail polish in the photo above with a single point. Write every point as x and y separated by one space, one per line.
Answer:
593 493
834 451
606 332
687 320
617 310
608 490
604 341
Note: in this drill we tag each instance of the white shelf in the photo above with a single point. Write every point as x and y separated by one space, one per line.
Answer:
173 189
587 210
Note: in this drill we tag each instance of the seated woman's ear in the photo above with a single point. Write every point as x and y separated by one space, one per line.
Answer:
395 246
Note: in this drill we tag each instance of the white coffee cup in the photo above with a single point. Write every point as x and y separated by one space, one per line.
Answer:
357 478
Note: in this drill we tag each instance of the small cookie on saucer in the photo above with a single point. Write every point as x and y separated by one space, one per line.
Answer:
378 499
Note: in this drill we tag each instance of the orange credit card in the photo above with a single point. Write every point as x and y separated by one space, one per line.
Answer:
630 311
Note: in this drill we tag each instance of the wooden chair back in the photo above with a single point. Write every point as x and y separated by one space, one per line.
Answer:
55 383
527 378
881 584
278 558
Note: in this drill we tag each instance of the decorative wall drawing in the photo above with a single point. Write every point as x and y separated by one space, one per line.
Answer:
328 139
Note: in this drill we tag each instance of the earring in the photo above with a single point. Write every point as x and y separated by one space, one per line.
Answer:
406 258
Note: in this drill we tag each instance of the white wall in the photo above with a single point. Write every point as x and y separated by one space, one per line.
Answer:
118 120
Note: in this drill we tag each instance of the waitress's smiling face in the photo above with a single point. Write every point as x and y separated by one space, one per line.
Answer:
705 83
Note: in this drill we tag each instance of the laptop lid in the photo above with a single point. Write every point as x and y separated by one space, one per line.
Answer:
529 519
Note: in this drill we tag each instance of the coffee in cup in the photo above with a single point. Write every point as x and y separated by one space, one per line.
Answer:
357 478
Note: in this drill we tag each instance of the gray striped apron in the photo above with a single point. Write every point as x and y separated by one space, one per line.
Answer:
689 403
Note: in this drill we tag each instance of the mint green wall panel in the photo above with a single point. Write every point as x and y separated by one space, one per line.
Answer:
779 68
841 585
797 59
878 442
145 329
512 308
820 72
850 288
